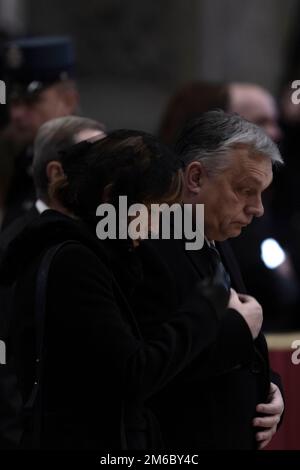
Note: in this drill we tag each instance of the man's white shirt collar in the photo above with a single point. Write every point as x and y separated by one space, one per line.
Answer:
210 243
41 206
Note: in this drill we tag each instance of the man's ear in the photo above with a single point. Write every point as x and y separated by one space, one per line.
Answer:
194 175
54 171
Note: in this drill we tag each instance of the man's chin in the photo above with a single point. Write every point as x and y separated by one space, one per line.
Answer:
231 232
235 232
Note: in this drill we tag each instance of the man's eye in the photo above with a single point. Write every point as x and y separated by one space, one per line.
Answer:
247 191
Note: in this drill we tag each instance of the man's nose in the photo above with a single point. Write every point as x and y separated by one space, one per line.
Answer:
256 209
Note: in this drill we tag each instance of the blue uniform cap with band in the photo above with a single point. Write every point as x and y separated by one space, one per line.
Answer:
32 64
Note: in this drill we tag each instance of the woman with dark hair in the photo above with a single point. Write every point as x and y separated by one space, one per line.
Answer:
94 369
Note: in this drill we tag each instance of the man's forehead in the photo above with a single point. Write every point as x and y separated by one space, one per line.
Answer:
254 167
257 179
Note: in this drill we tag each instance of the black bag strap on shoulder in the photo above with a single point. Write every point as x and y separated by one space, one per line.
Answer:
33 405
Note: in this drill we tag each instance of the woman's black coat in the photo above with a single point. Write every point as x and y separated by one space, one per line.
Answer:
98 371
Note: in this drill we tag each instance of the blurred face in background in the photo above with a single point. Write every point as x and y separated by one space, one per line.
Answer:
27 115
256 105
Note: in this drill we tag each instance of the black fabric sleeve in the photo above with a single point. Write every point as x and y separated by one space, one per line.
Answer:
232 349
234 346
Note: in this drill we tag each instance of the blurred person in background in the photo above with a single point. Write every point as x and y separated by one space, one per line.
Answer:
287 200
266 266
39 76
249 100
53 137
266 260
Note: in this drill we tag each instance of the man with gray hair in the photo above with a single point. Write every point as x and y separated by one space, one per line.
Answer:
228 164
226 399
53 136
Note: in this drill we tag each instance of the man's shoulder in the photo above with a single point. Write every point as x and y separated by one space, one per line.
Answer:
162 250
173 257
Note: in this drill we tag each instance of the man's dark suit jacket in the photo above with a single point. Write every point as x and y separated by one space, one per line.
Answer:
212 404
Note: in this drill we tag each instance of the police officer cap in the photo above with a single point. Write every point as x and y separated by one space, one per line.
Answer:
32 64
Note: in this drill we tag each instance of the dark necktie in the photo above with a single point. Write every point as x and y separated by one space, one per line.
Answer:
218 266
